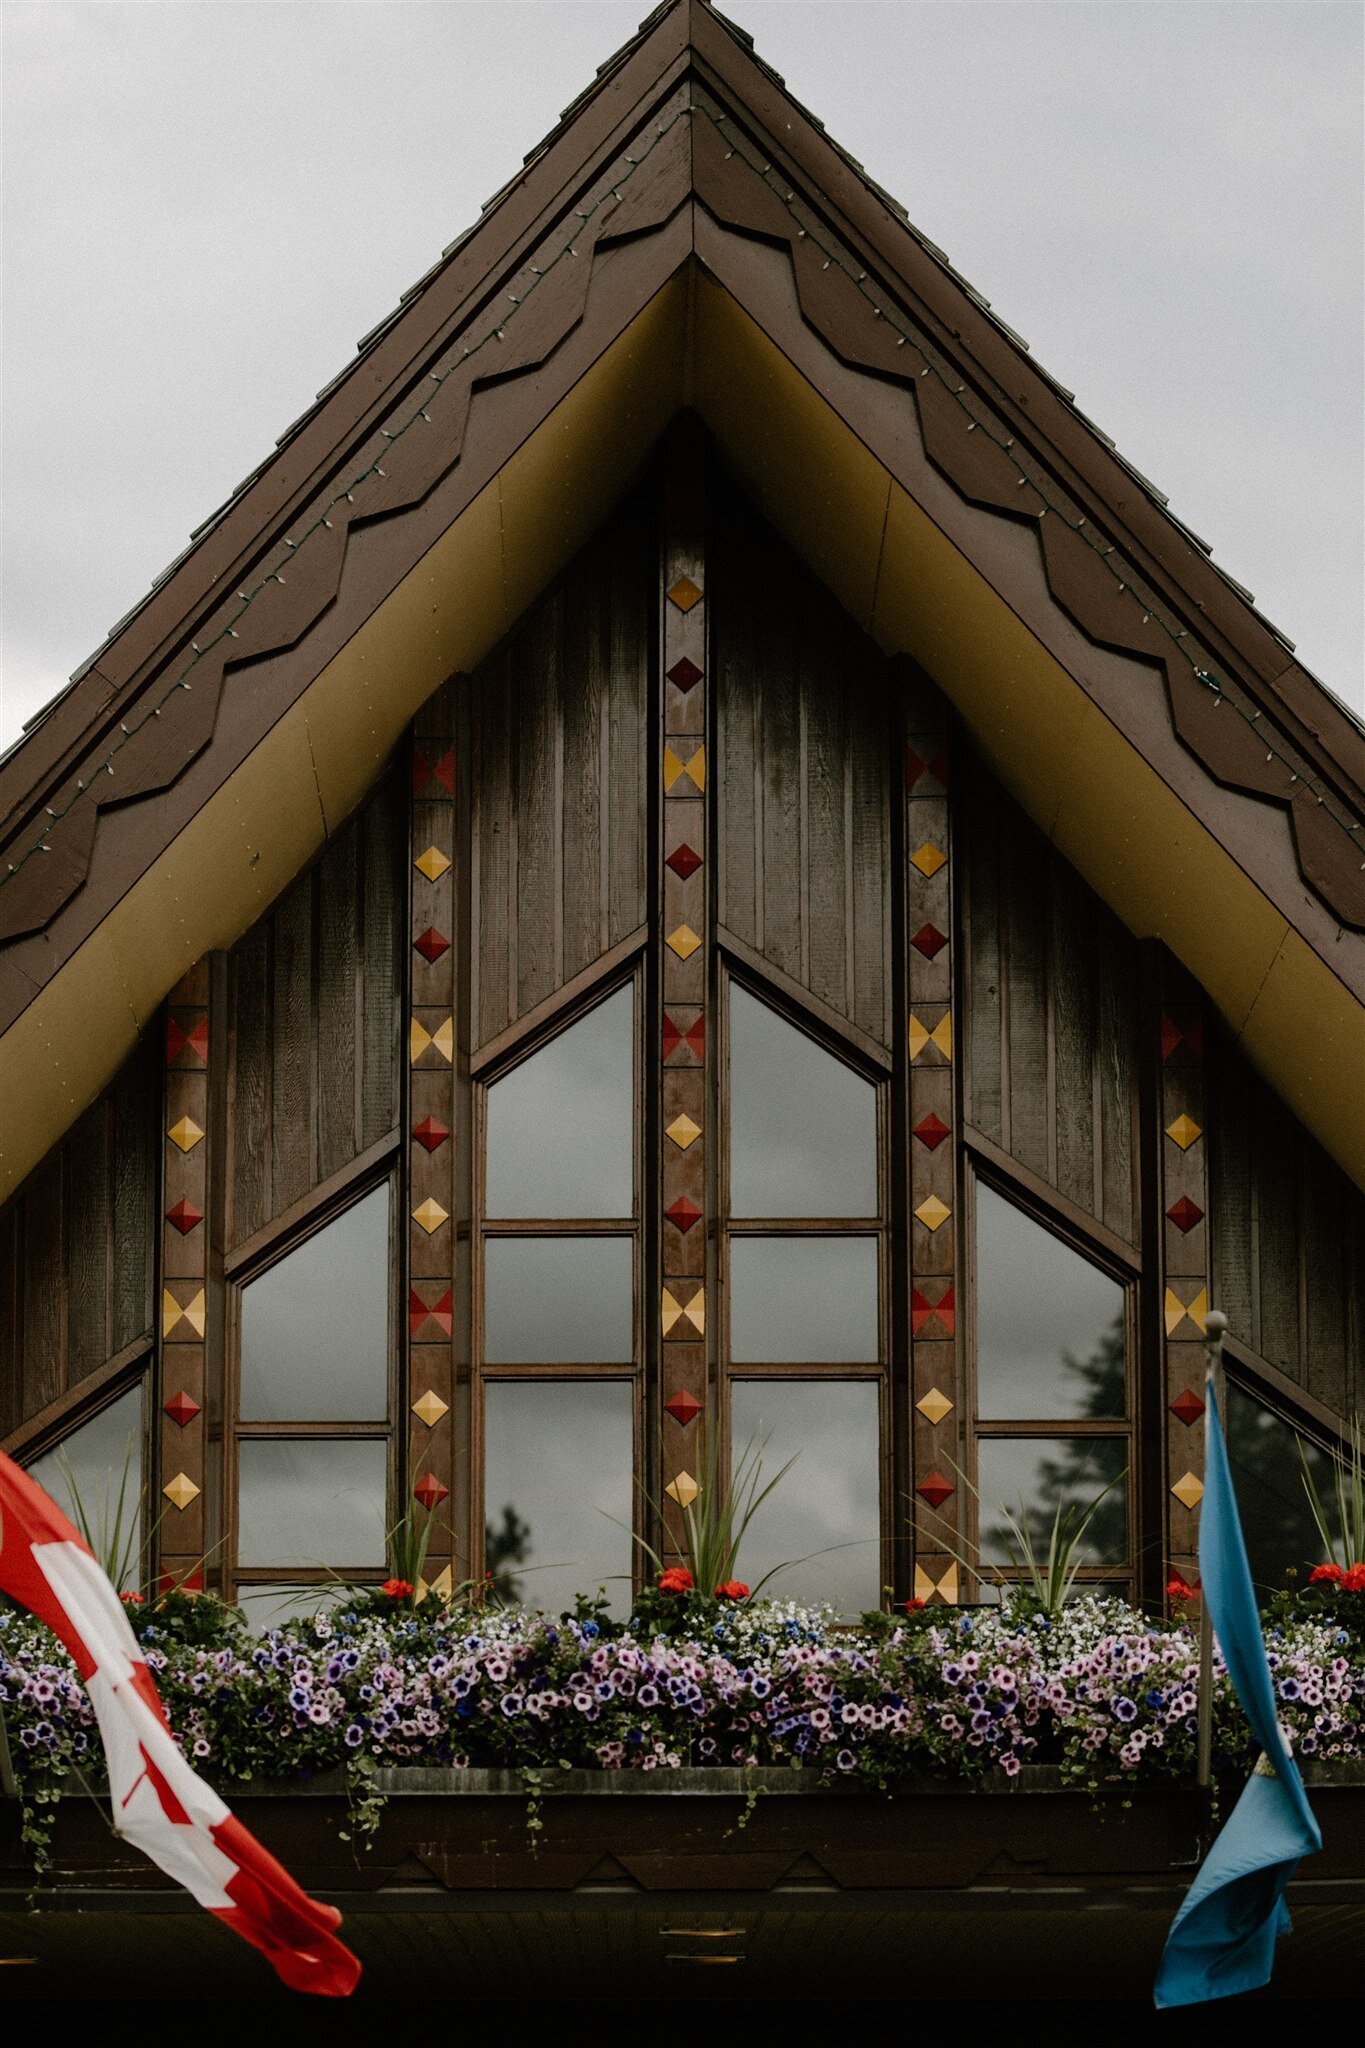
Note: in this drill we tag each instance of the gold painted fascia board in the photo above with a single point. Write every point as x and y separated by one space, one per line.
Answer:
307 774
1107 809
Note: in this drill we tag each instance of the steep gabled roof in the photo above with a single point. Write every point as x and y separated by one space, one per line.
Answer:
688 234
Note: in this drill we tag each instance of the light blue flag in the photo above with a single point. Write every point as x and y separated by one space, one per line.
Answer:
1223 1938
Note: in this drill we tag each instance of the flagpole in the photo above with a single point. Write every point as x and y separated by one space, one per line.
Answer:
1215 1329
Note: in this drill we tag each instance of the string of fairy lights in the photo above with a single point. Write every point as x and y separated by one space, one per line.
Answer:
497 333
1079 525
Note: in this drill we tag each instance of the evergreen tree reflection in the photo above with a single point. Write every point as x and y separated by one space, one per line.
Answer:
1268 1475
1077 1469
506 1545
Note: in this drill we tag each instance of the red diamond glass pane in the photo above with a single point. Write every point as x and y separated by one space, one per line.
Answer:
181 1408
684 861
1185 1213
934 1488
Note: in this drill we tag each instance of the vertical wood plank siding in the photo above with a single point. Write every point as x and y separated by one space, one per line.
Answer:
1052 1023
803 749
559 830
1288 1240
314 1000
540 779
77 1249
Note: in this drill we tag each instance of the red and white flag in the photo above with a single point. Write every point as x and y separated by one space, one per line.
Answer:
160 1805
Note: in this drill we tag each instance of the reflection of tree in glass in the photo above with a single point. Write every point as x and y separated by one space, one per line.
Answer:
1276 1518
1083 1466
504 1547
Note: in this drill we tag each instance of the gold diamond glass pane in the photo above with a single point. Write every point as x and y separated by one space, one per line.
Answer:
803 1300
828 1503
315 1325
803 1125
1030 1476
557 1301
559 1125
1051 1328
557 1490
98 1453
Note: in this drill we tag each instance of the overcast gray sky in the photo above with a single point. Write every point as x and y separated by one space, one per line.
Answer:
205 205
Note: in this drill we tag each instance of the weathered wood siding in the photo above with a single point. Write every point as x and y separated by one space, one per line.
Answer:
1052 1010
315 994
76 1247
803 775
1288 1233
559 790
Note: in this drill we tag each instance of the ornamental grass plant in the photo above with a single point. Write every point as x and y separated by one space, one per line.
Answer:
1340 1521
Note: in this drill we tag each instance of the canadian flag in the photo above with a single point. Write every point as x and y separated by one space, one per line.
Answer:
159 1804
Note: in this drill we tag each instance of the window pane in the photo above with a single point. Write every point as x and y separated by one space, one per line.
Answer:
315 1326
803 1300
104 1487
560 1124
557 1301
1276 1518
828 1502
1050 1327
312 1502
1029 1477
803 1126
557 1488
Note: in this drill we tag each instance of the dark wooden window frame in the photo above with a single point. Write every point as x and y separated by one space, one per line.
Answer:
625 966
375 1168
983 1161
50 1427
736 964
133 1368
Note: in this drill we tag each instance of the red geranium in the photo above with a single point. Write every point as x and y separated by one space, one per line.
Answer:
1325 1574
1353 1581
396 1589
677 1579
913 1606
131 1599
733 1589
1176 1589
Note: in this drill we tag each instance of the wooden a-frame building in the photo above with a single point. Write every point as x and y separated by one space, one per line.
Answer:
693 840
